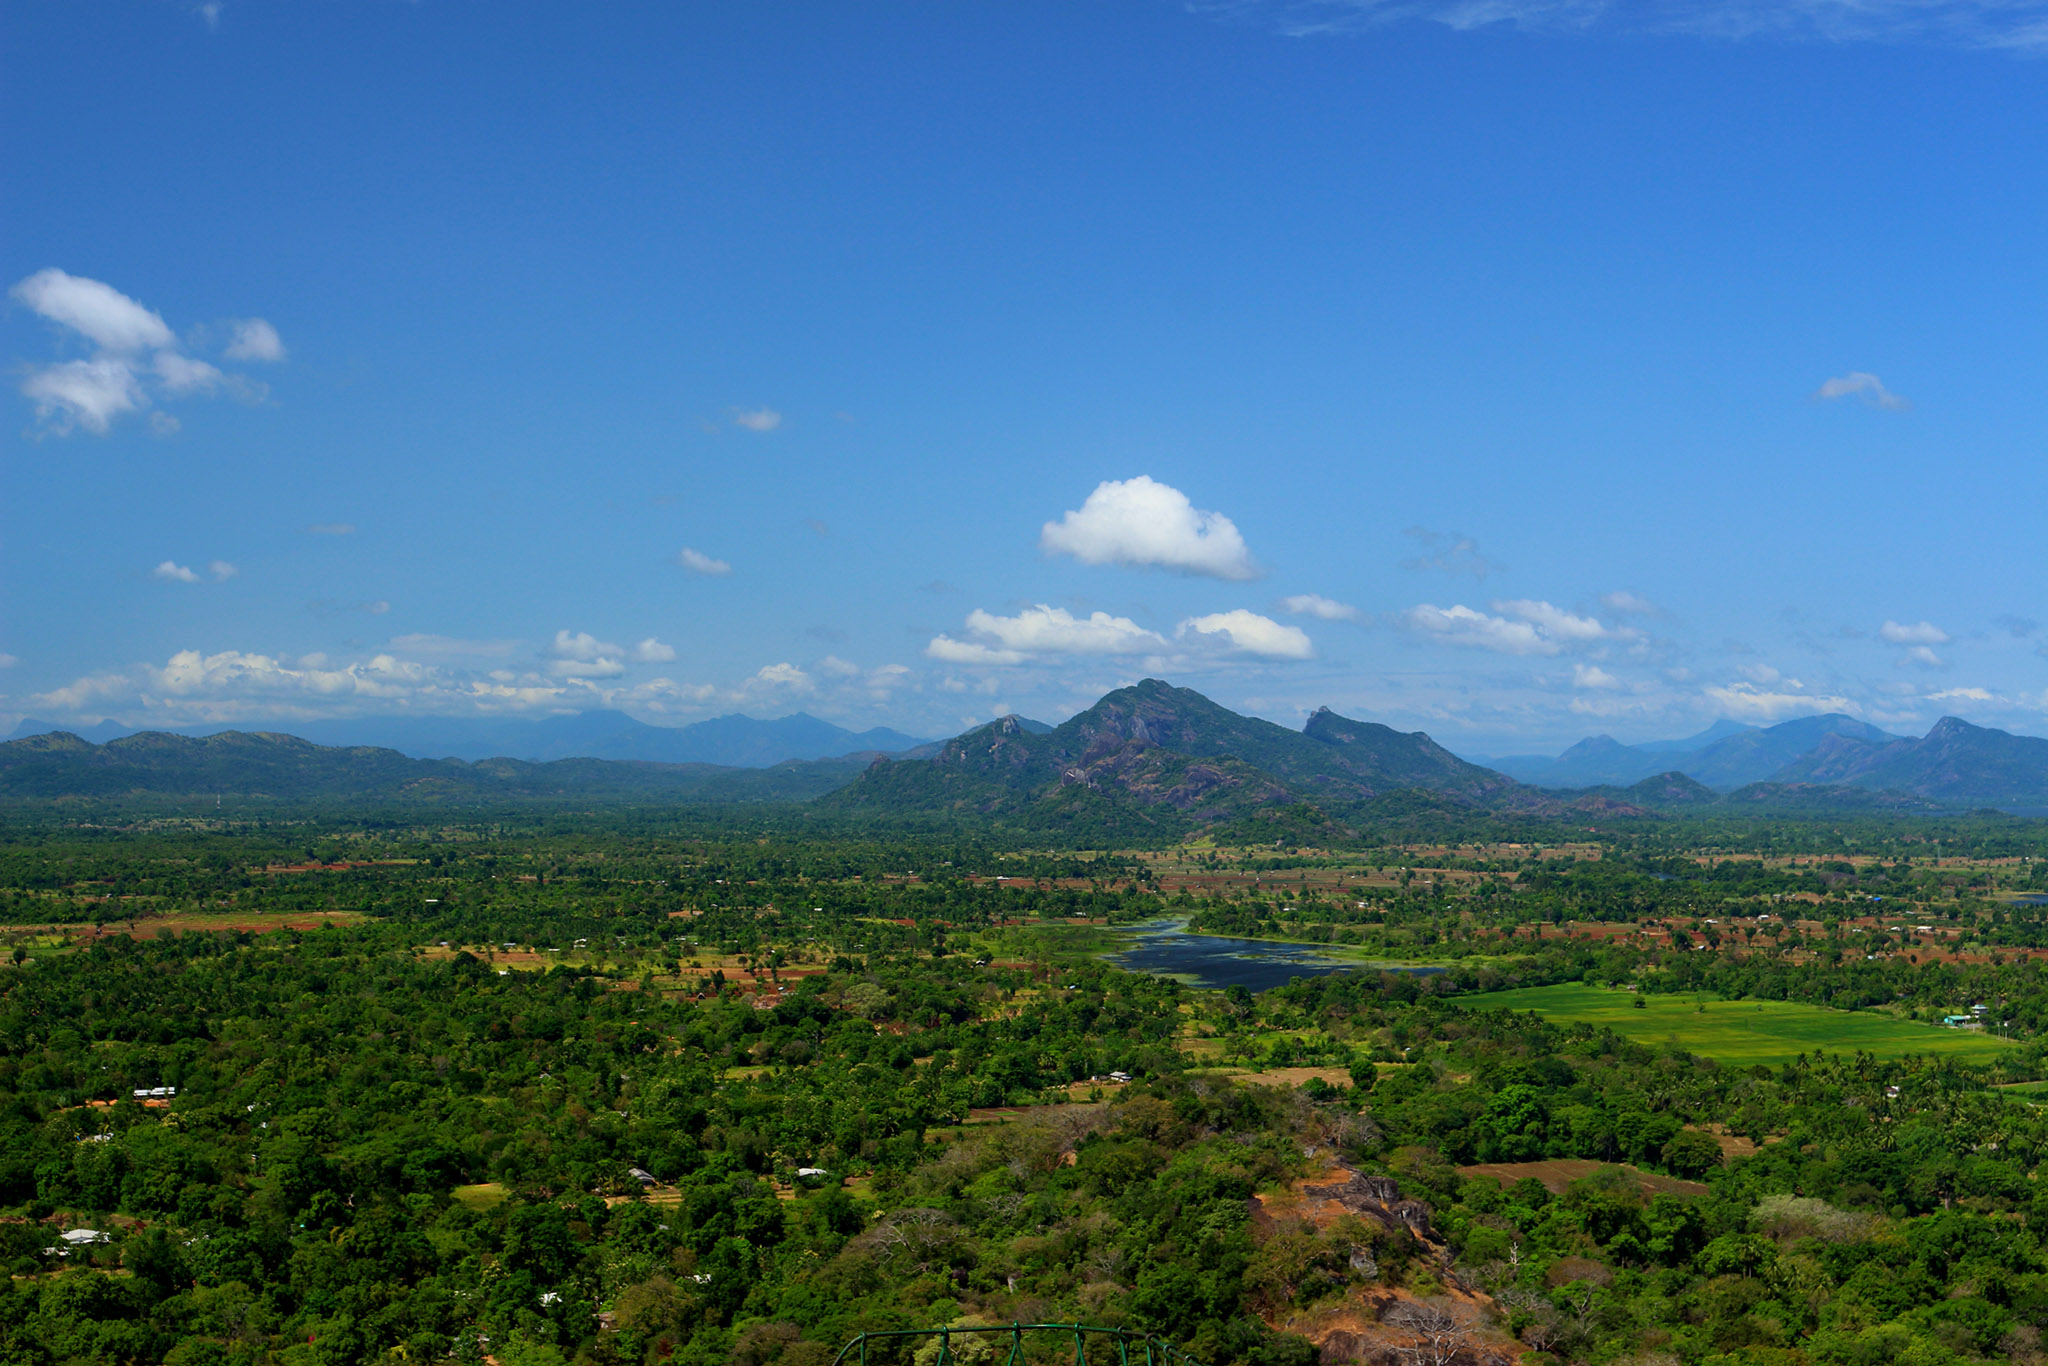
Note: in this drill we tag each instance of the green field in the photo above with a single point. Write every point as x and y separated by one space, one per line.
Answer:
1742 1032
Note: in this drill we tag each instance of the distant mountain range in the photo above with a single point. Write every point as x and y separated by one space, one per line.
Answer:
1726 756
1150 760
731 741
284 768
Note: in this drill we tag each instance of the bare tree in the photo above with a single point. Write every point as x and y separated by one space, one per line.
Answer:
1444 1334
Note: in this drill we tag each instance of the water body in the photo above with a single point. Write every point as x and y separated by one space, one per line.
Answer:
1166 949
2030 900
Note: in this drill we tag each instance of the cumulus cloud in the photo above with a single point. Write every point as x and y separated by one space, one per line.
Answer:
1913 633
783 676
255 339
1143 523
756 419
1963 695
1316 605
1250 634
1448 552
950 651
83 393
1747 702
170 571
1859 384
137 358
222 571
1593 676
1925 657
652 651
697 562
1044 630
1519 626
98 312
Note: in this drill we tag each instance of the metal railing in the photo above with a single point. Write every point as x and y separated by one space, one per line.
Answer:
1112 1346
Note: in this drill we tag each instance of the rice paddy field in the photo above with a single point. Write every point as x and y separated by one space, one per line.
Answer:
1741 1032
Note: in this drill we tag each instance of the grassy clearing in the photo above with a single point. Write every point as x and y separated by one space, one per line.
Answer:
1741 1032
481 1197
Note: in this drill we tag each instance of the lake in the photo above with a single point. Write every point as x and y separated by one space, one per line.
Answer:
1166 949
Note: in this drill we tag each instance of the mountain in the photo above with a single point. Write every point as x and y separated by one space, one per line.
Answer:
1153 757
1725 756
1720 730
285 768
1760 755
1955 763
97 734
1598 760
730 741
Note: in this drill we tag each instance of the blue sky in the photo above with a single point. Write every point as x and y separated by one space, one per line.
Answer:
1513 371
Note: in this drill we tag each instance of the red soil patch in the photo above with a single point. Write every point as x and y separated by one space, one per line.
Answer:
1557 1175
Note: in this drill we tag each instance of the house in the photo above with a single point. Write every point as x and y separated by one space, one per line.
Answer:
1119 1076
644 1177
85 1237
810 1173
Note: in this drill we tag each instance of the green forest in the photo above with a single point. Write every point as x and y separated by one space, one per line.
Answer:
558 1088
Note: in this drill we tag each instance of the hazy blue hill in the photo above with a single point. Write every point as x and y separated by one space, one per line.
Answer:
1596 761
1720 730
1760 755
731 741
285 768
98 734
1954 763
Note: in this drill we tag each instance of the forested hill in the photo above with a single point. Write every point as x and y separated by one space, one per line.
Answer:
285 768
1157 757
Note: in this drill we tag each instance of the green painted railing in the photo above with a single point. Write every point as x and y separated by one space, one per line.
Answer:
1110 1346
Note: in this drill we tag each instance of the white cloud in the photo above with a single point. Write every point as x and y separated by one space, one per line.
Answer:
1316 605
1462 625
332 529
377 608
1522 627
951 651
1143 523
1747 702
1625 604
756 419
255 339
222 571
1558 624
1963 695
183 375
98 312
832 666
1054 630
1593 676
1249 633
7 661
1914 633
580 645
1858 384
137 353
83 393
652 651
697 562
1925 657
787 676
172 572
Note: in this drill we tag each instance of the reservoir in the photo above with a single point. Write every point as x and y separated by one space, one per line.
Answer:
1165 948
